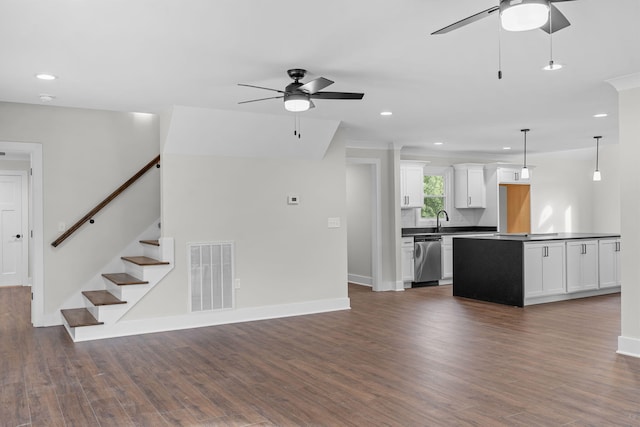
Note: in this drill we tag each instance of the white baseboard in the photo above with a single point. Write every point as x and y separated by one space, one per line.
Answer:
360 280
199 320
629 346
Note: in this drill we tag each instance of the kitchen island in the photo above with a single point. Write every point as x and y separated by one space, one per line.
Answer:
524 269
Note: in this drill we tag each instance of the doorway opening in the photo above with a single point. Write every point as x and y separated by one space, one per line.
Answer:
30 154
364 231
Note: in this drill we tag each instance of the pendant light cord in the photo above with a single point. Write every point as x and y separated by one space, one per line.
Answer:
597 150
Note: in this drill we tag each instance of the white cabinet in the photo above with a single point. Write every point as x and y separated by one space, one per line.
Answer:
407 259
609 263
582 265
411 186
469 186
447 257
512 176
544 269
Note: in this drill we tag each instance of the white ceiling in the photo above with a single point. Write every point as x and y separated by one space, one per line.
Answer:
147 55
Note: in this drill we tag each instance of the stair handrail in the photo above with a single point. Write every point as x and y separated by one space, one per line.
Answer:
89 216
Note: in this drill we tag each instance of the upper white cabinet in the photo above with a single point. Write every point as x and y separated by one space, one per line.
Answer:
609 263
411 186
469 186
582 265
512 176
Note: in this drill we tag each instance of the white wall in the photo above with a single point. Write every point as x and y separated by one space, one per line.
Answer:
562 191
606 193
284 254
629 111
359 222
87 154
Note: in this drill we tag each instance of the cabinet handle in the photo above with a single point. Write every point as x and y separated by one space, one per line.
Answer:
469 201
517 176
617 246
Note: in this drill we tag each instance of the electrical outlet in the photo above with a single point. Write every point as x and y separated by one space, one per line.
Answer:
236 285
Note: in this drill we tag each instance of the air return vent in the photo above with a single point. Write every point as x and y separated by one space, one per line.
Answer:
211 276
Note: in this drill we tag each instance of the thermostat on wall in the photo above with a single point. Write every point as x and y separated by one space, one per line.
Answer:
293 199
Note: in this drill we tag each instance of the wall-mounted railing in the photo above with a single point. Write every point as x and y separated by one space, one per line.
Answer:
89 216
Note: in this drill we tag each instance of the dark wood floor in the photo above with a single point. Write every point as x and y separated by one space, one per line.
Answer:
415 358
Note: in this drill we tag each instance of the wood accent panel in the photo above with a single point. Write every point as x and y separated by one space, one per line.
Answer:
143 260
123 279
518 208
419 357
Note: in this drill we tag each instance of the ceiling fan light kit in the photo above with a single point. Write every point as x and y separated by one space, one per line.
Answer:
296 102
523 15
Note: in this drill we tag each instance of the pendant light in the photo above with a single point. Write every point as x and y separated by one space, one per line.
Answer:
596 173
524 174
552 66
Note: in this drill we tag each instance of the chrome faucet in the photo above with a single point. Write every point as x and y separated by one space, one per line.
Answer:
446 215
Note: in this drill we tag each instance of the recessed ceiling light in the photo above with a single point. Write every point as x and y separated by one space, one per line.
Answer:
44 76
46 97
506 148
600 115
386 113
438 143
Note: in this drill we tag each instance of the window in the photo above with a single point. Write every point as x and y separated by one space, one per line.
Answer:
434 196
438 184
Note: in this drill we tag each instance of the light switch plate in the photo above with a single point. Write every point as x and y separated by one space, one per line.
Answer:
333 222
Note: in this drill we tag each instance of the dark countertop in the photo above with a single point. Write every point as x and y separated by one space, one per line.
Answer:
431 231
536 237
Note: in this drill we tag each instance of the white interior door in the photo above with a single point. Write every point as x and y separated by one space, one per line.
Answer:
13 242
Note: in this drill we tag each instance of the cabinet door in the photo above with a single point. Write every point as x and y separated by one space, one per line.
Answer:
447 257
475 188
407 263
609 263
411 186
544 266
553 269
533 270
582 265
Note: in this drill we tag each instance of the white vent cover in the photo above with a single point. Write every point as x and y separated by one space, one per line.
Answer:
211 276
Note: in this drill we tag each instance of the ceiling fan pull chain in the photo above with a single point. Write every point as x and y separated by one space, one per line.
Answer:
499 51
299 133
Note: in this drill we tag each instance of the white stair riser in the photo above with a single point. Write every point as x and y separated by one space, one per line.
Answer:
148 273
151 251
107 313
125 292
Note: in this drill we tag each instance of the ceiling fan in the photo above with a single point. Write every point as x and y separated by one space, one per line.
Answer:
519 15
297 95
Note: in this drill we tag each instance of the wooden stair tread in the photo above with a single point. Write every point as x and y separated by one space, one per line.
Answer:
99 298
143 260
123 279
150 242
77 317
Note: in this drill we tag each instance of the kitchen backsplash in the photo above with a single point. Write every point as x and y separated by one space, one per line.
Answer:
457 218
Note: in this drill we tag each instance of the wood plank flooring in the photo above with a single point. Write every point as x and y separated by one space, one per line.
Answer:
414 358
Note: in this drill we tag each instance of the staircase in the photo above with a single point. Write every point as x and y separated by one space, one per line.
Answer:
105 307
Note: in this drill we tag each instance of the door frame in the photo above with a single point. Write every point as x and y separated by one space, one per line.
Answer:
36 222
376 224
24 221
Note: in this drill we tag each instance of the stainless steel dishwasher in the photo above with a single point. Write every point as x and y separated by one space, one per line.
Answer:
427 260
